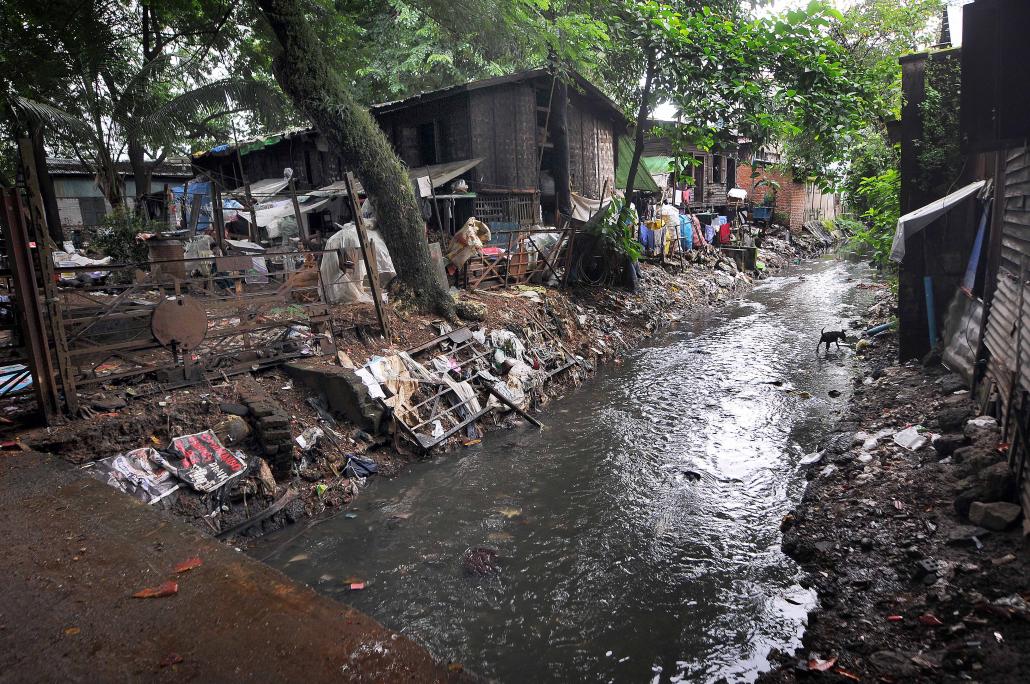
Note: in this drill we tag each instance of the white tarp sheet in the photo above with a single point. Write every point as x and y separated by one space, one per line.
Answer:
914 221
348 286
584 207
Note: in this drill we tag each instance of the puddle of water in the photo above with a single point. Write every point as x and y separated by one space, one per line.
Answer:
638 533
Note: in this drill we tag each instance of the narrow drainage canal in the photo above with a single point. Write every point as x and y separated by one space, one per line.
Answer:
618 564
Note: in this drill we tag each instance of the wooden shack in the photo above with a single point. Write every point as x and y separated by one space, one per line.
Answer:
714 174
506 122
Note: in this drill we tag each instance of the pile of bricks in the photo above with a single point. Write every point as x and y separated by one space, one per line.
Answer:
271 428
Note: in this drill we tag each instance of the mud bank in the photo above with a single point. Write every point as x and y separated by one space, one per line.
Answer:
910 587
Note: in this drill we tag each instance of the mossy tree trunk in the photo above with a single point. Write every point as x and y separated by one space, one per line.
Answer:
306 76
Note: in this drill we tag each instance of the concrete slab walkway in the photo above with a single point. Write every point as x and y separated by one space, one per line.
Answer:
75 550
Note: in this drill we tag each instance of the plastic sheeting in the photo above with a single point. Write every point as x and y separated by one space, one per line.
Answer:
583 208
344 287
914 221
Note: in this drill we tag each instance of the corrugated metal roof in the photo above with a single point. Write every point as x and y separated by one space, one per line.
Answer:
578 80
173 167
440 173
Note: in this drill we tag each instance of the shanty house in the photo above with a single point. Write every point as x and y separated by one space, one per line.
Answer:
79 200
714 173
497 133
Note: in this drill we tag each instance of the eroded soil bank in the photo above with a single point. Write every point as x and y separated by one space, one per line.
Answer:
910 588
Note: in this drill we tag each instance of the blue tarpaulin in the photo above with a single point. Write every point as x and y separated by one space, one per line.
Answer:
204 190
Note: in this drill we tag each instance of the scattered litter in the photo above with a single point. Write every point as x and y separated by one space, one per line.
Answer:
911 438
164 589
820 665
983 421
309 438
171 659
138 473
359 467
188 564
812 459
205 465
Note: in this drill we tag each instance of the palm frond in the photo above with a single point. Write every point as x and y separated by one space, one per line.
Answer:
151 67
52 117
188 110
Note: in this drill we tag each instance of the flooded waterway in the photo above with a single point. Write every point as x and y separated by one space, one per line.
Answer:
617 562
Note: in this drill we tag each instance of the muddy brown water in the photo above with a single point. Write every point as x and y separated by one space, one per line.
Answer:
617 563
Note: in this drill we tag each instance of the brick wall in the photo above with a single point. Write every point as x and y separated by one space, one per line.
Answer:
790 199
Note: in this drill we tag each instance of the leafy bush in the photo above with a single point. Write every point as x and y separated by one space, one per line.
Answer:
617 229
882 195
116 237
848 225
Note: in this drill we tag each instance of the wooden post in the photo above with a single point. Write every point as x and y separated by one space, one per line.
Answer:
170 222
216 211
194 215
560 137
46 272
436 209
46 185
370 265
305 239
252 232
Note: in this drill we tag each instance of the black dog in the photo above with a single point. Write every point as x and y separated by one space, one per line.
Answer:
834 336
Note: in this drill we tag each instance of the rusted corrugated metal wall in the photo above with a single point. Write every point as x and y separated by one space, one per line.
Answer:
1003 333
1016 233
1008 325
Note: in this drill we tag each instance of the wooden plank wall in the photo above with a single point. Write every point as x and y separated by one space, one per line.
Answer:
503 121
452 129
591 148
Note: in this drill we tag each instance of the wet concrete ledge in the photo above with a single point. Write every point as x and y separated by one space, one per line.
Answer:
74 552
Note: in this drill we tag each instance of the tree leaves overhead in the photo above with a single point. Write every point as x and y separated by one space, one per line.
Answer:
189 111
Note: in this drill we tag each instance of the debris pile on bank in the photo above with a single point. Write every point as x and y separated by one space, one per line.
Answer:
306 434
910 532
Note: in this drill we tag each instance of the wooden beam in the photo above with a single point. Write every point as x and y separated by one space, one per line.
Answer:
370 266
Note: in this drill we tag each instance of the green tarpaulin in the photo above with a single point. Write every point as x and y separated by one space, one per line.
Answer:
643 181
658 164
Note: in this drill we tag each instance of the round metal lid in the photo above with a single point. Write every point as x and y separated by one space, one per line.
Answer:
179 321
